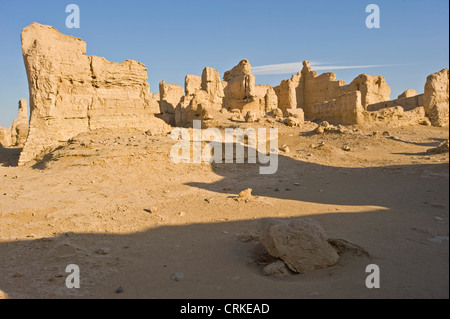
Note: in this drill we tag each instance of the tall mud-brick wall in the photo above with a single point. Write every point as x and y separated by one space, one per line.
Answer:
71 92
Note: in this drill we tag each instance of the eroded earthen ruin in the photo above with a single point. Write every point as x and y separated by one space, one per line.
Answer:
71 93
17 133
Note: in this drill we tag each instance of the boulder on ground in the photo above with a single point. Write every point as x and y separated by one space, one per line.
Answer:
300 242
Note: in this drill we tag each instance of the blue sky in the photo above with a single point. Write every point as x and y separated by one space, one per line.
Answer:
175 38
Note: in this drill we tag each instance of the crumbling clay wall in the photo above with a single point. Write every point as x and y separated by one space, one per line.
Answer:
436 101
286 94
170 97
203 94
19 128
318 89
407 103
267 97
308 88
373 89
346 109
5 136
17 133
240 93
71 92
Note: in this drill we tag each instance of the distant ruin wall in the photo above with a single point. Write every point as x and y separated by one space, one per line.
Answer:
346 109
407 103
287 95
240 92
436 99
17 133
308 88
5 136
71 92
374 89
318 88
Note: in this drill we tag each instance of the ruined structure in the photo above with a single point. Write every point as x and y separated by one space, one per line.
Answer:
435 98
305 95
317 96
324 97
17 133
71 92
19 128
240 93
434 101
5 137
203 94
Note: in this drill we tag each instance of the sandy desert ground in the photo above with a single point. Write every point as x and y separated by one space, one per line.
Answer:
113 203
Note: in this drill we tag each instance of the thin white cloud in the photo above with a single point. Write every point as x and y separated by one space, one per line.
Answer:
290 68
283 68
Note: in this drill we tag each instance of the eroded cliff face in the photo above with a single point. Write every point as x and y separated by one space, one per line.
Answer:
71 92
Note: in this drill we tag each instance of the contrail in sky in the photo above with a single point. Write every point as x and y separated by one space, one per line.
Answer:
289 68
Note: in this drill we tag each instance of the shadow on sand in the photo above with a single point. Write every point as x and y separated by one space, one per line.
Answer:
217 265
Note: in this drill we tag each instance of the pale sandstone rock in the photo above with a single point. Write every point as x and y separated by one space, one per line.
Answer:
441 148
5 136
292 121
408 93
236 118
240 90
243 68
170 97
192 108
277 112
251 117
17 133
271 100
246 193
205 92
192 84
261 91
19 128
212 84
325 127
436 98
277 269
300 242
286 94
71 92
154 105
297 113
